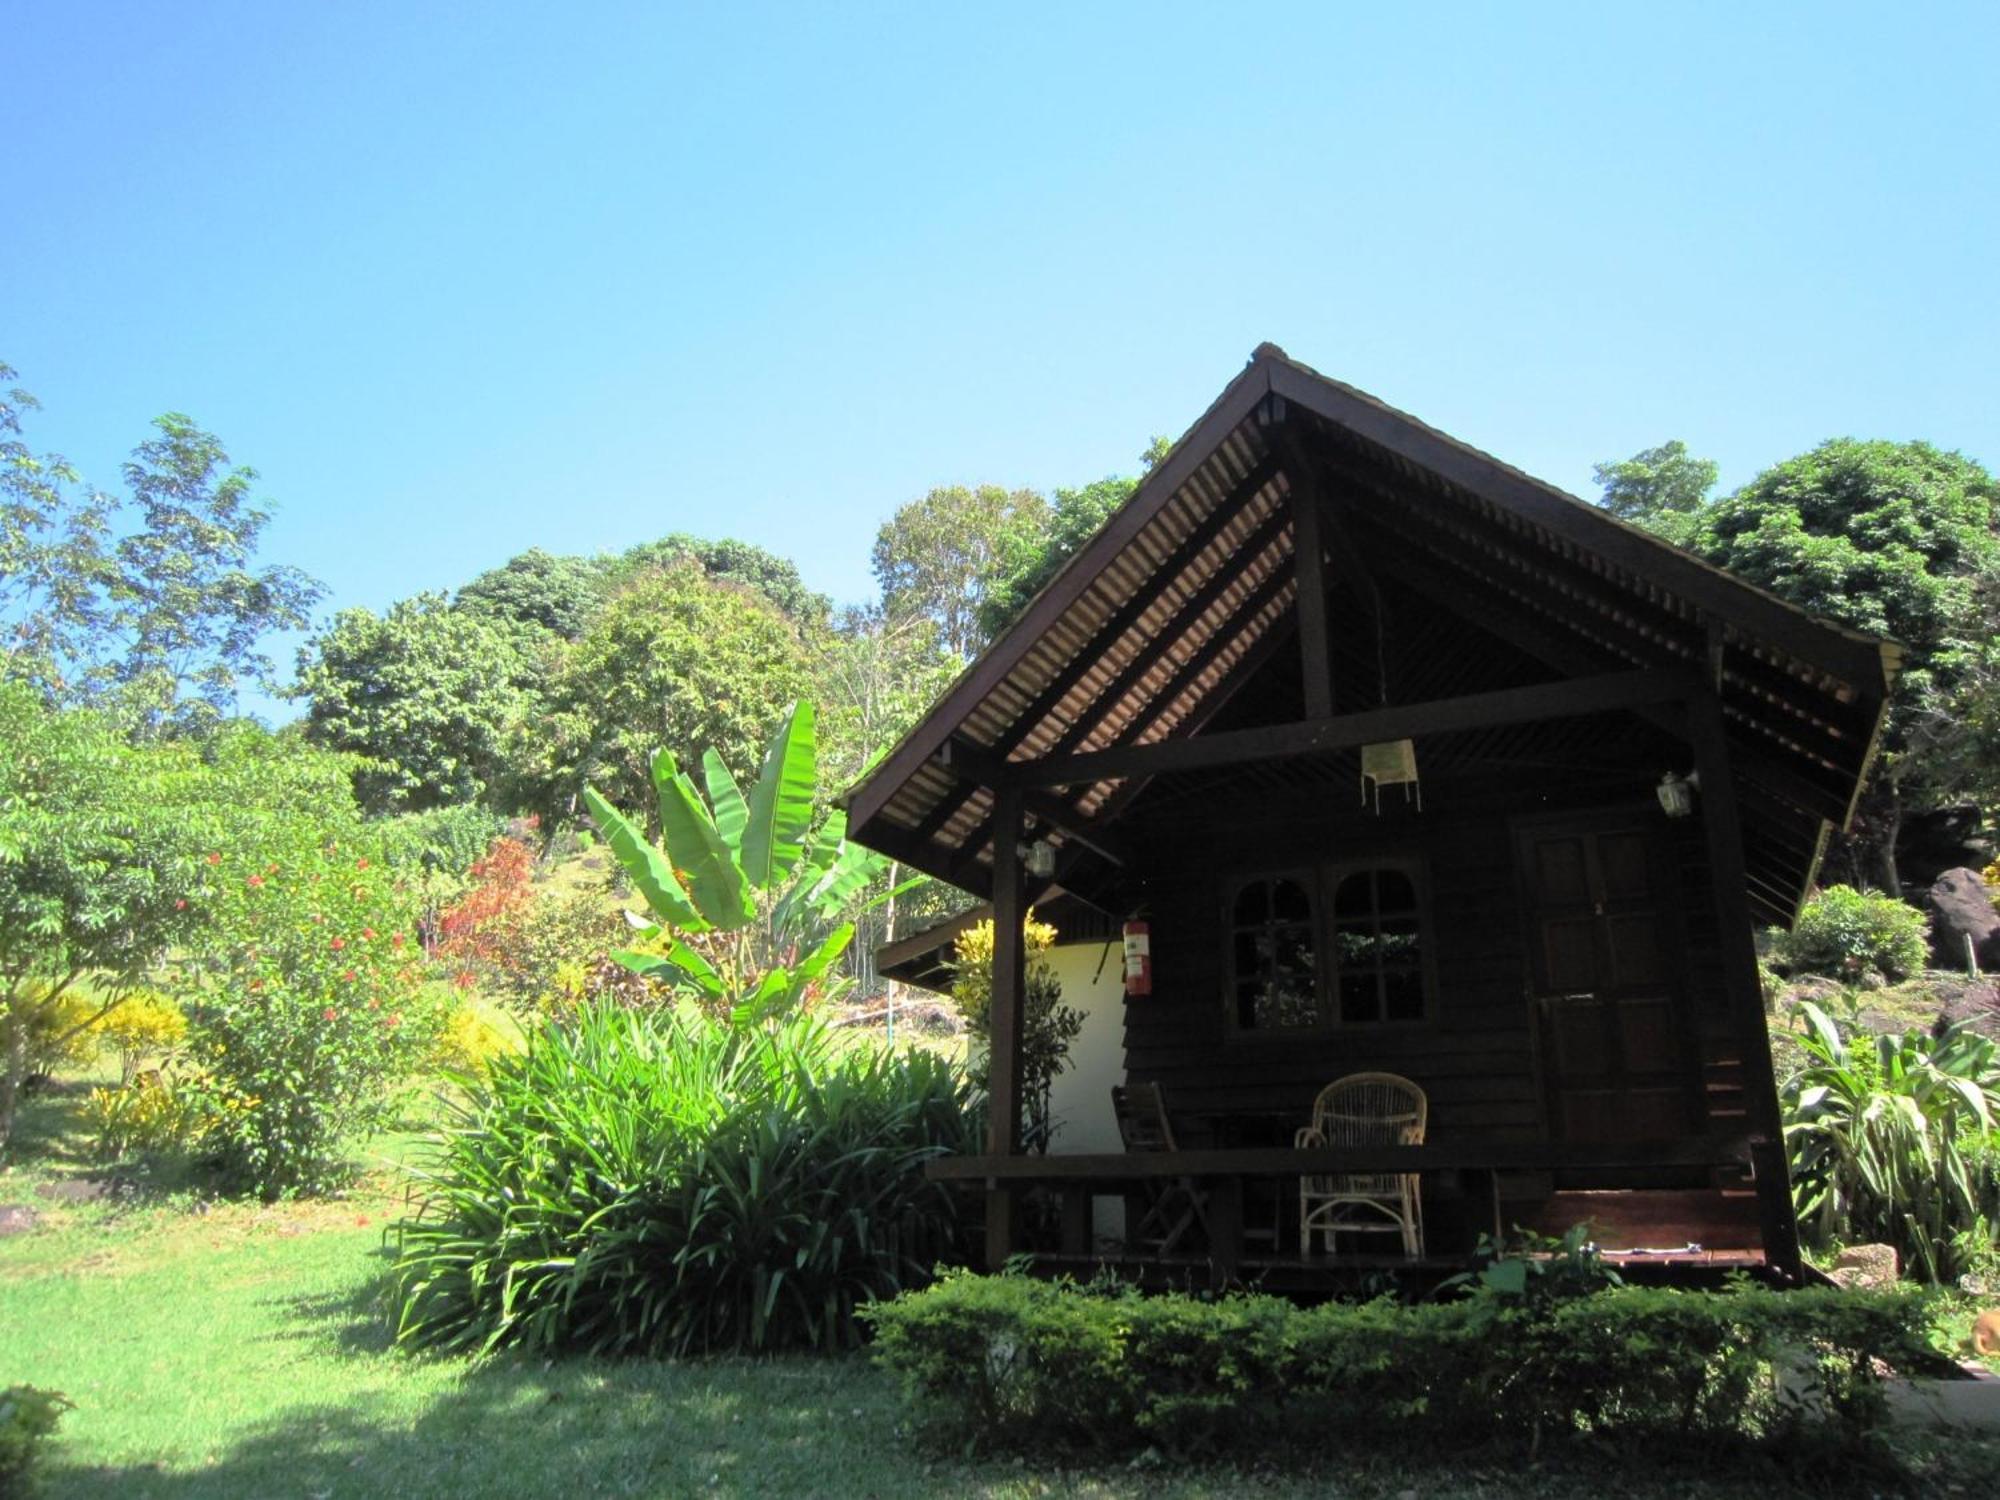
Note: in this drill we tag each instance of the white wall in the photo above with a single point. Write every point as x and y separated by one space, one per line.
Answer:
1081 1100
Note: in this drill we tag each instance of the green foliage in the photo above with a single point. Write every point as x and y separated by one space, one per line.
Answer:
727 561
665 1184
675 659
1892 1141
99 876
162 620
426 695
939 557
151 1114
309 1003
557 594
1047 1025
1013 1363
1537 1268
1660 488
28 1418
1844 933
747 897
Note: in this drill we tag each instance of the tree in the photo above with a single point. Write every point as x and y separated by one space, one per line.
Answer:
425 694
730 561
675 660
746 895
1658 487
1033 559
163 621
1897 539
100 874
537 588
937 557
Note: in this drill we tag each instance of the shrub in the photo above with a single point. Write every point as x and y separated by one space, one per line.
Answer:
1047 1025
308 1007
474 1035
1843 933
145 1025
58 1033
1890 1141
1013 1363
148 1116
659 1182
28 1417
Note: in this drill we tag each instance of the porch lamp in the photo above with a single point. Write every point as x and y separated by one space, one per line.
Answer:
1676 793
1391 763
1039 859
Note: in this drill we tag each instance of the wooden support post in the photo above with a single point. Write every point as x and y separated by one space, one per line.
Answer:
1743 991
1309 563
1225 1228
1004 1016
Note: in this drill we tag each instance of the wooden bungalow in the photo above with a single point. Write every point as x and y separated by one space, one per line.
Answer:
1599 764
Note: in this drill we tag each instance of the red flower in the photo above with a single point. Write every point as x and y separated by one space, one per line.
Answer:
396 941
181 904
271 868
361 864
254 880
215 859
338 944
348 976
367 934
463 979
329 1014
256 985
394 1020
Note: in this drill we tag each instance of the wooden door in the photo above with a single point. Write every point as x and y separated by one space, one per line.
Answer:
1616 1054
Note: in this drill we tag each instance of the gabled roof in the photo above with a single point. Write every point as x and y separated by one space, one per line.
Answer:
1190 586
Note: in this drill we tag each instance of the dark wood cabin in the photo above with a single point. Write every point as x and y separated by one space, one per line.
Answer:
1567 970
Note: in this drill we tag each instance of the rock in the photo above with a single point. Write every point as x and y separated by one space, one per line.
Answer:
1960 904
1865 1266
17 1218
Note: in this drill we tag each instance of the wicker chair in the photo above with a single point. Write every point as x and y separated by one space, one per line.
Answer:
1174 1205
1364 1109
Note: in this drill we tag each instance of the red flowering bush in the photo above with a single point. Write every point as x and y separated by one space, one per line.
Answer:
532 950
311 1004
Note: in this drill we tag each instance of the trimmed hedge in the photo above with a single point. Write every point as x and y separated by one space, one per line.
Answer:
1011 1363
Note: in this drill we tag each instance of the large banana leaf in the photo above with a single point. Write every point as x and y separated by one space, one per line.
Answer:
645 866
679 963
714 879
732 813
781 802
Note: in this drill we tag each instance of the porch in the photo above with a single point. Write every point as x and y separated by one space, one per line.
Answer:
1250 1226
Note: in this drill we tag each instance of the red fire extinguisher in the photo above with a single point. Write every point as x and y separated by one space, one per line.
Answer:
1138 959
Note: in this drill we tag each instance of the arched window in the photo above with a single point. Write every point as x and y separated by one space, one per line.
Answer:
1274 974
1378 959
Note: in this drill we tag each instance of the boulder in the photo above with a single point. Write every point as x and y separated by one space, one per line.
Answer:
1960 904
1865 1266
17 1218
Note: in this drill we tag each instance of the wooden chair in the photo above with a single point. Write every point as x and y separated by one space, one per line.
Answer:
1364 1109
1173 1205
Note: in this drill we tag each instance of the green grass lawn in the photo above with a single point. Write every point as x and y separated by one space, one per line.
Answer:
222 1350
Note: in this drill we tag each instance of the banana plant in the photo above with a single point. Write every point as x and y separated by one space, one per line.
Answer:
748 903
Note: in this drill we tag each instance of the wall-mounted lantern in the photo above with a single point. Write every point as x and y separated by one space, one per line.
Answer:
1676 793
1391 763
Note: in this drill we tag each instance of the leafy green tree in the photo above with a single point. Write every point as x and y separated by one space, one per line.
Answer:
99 871
427 696
747 895
1660 488
1898 539
938 557
164 620
1031 559
730 561
675 659
539 589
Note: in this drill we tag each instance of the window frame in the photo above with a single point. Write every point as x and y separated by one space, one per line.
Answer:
1321 880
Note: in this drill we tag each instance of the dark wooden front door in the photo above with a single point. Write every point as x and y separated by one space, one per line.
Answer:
1615 1055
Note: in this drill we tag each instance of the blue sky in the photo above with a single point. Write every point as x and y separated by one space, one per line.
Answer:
463 280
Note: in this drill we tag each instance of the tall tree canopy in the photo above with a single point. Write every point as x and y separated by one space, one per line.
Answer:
1898 539
539 589
1659 487
937 557
676 660
427 695
164 619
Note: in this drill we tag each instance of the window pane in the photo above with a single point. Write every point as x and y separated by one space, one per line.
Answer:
1403 994
1359 1000
1393 891
1294 952
1353 896
1288 901
1287 1004
1251 904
